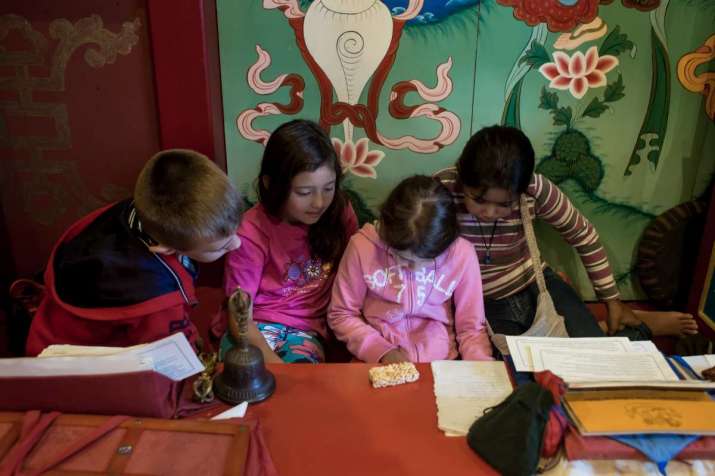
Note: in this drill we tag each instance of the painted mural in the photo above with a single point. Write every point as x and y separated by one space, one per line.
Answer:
618 97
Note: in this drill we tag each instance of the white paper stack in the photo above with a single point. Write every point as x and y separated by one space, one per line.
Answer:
464 389
598 359
172 356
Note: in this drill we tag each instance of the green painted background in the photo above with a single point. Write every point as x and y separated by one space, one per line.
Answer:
485 41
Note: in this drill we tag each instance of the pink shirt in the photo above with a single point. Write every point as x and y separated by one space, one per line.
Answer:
430 313
274 265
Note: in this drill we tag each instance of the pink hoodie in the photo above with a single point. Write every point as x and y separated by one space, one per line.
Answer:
379 305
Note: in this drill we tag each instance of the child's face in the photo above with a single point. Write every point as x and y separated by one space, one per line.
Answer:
488 204
311 193
207 251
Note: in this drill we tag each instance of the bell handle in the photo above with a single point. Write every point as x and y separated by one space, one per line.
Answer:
240 312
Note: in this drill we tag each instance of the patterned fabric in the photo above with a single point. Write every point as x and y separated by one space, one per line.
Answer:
291 345
510 269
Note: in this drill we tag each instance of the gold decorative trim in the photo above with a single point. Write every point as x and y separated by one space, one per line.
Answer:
67 38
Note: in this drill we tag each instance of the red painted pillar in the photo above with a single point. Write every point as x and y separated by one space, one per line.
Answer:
184 40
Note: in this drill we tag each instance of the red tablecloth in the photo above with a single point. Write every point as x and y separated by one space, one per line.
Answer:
327 419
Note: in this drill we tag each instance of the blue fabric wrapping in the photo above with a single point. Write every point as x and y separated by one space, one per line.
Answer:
659 448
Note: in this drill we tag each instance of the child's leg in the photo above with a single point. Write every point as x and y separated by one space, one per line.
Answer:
301 347
577 317
291 345
512 315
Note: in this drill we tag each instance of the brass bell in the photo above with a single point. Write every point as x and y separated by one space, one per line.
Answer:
244 377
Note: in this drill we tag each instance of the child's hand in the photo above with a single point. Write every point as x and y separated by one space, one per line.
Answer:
709 374
256 338
619 316
395 356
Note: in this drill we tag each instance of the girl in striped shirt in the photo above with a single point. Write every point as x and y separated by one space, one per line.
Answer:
496 167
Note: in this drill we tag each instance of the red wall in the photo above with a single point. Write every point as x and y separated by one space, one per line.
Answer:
70 147
75 142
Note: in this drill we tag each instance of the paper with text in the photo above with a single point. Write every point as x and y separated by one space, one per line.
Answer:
63 366
589 366
464 389
69 350
172 356
521 352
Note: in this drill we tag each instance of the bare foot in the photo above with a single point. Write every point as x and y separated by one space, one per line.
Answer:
668 323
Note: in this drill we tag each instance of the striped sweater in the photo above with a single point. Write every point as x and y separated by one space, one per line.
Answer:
510 269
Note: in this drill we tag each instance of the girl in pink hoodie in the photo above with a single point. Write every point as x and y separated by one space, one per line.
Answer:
409 288
291 243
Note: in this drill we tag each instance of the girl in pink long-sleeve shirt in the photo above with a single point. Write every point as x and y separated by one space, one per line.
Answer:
291 243
409 288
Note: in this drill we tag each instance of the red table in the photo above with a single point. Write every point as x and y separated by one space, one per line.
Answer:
328 420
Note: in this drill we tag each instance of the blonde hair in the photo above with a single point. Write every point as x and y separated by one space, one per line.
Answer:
182 197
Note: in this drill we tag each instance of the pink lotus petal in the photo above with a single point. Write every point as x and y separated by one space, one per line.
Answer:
596 79
577 65
591 59
347 155
337 145
560 83
578 87
361 149
606 63
373 158
549 70
364 171
562 60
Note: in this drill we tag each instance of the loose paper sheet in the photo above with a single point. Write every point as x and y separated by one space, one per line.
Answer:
58 366
172 356
65 350
464 389
589 366
521 350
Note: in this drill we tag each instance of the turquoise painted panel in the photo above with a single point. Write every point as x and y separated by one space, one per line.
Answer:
626 140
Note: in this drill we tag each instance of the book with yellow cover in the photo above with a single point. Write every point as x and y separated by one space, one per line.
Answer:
628 412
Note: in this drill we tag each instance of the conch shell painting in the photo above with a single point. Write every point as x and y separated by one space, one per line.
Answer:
350 47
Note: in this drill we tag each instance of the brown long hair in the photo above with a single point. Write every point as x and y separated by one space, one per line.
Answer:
302 146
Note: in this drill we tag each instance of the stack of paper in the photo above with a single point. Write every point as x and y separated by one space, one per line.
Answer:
591 359
526 352
464 389
172 356
60 366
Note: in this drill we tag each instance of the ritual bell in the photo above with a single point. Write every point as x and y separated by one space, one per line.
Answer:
244 377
